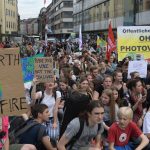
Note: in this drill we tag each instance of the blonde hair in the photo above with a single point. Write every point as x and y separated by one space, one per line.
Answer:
125 111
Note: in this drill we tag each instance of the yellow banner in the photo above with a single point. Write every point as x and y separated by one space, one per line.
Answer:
134 41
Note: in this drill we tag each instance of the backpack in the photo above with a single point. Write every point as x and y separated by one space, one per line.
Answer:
14 134
77 136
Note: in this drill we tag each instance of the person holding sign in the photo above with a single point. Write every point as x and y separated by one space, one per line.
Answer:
51 98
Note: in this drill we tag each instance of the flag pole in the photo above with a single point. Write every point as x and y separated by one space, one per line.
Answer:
80 38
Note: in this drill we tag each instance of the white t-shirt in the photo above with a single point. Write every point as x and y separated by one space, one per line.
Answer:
49 100
146 123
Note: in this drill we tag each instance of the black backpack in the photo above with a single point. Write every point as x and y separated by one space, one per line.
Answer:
77 136
14 135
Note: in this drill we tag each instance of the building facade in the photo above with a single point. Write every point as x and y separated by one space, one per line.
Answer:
29 26
59 17
94 15
8 19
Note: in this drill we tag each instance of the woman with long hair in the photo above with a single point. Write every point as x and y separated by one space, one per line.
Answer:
137 99
98 89
118 83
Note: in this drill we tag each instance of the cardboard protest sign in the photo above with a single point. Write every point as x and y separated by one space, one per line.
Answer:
133 41
12 101
28 67
139 66
43 69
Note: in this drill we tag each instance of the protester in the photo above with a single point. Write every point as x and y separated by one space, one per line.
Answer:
40 115
51 97
92 117
107 83
120 133
137 98
105 80
77 102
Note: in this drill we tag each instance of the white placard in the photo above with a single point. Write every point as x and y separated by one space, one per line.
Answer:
139 66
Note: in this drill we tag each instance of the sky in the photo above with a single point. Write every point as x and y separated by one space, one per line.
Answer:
31 8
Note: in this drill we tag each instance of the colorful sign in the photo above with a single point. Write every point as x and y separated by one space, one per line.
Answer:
28 67
13 100
134 41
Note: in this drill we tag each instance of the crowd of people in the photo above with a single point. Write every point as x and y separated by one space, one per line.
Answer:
92 105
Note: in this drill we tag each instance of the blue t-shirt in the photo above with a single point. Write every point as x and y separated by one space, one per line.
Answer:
31 136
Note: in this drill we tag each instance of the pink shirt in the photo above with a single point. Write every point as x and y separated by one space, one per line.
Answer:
5 125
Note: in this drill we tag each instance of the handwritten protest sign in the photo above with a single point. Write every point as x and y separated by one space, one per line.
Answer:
13 101
139 66
28 67
43 69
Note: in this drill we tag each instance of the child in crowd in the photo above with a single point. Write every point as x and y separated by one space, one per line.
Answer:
121 132
110 108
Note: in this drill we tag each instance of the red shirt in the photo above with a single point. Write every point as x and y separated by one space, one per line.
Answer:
120 137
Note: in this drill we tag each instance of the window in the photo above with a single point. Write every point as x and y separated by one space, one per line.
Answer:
68 25
14 14
57 17
7 24
6 12
61 5
106 15
75 19
67 14
68 4
57 8
13 25
147 4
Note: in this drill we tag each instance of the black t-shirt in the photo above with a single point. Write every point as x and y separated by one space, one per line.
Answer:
71 83
99 88
31 136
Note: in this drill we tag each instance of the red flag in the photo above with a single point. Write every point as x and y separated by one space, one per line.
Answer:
44 2
111 46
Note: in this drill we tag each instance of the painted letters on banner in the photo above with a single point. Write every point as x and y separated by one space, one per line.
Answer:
12 100
43 69
134 41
